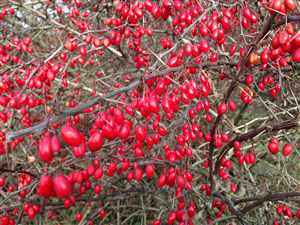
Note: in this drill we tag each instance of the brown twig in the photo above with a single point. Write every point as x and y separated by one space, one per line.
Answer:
288 19
268 197
3 170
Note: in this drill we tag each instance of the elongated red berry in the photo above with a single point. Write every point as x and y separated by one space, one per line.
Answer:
95 141
273 148
45 186
71 135
44 151
62 186
287 150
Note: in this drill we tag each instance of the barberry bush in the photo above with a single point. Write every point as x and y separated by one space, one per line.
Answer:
149 112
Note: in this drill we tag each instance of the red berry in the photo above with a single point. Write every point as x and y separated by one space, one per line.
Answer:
95 141
232 105
296 40
249 79
296 56
2 181
156 222
55 145
174 61
79 151
298 214
149 170
273 148
140 133
78 217
124 131
71 135
233 187
222 108
264 56
45 152
171 218
287 149
290 4
232 49
98 174
31 213
45 186
62 186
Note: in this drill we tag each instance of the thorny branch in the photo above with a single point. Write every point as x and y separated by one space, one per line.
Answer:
290 124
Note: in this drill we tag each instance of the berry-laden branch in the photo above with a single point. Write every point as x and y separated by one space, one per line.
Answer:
266 27
69 112
289 124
